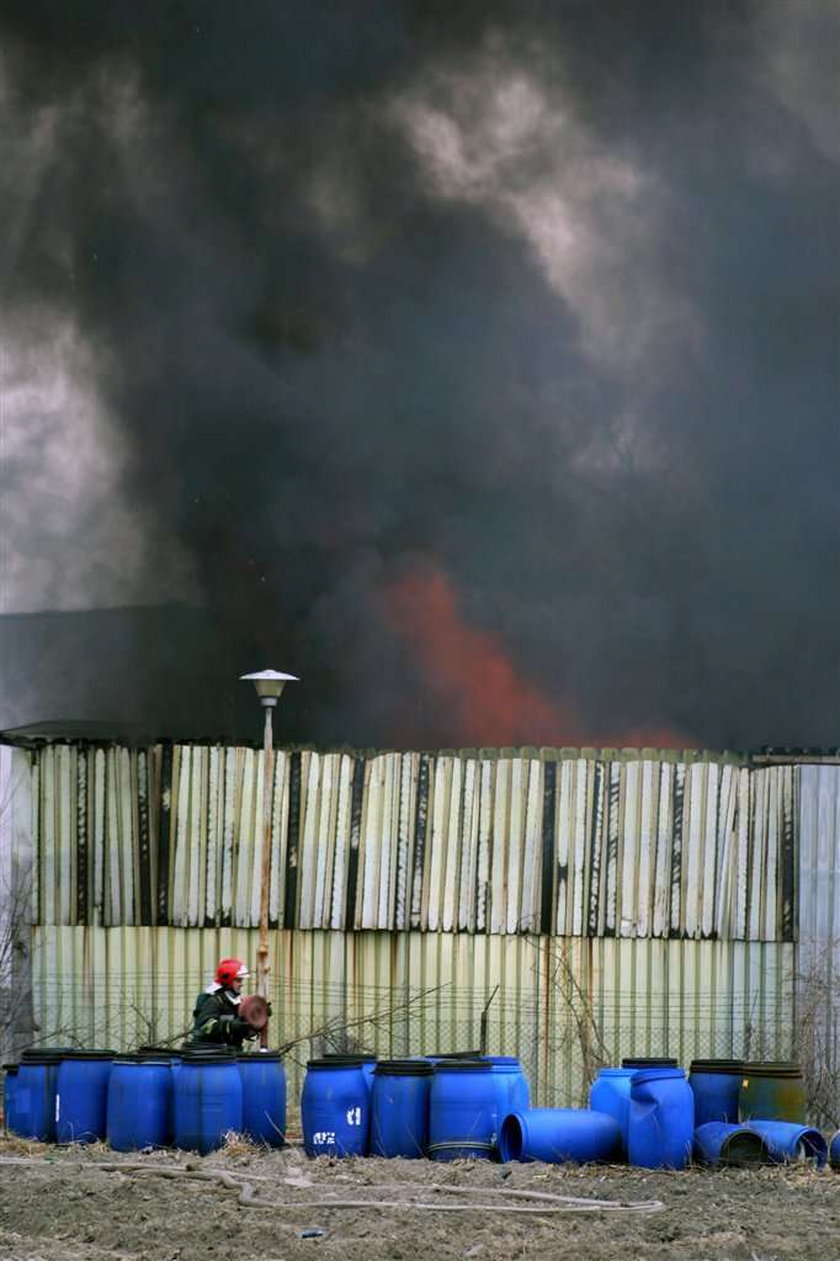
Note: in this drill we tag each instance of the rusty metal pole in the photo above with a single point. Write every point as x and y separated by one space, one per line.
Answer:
265 879
269 685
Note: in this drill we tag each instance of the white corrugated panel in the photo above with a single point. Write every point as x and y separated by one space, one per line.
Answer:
637 847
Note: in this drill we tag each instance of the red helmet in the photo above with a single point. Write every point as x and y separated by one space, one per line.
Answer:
230 970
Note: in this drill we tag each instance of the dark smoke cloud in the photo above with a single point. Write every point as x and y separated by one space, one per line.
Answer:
545 296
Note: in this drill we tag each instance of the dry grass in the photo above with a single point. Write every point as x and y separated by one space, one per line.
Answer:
238 1145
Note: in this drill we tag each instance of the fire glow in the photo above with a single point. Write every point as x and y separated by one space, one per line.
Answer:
488 700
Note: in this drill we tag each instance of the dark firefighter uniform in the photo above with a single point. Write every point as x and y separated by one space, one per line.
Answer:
216 1019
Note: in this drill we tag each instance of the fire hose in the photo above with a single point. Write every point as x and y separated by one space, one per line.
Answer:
247 1193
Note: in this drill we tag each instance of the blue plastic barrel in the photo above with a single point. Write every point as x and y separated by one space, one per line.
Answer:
139 1103
716 1085
399 1116
263 1097
512 1091
207 1099
81 1097
660 1130
610 1093
788 1142
725 1143
10 1073
367 1062
557 1135
463 1110
834 1151
34 1107
335 1107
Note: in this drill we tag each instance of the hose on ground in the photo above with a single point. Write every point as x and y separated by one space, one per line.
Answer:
247 1193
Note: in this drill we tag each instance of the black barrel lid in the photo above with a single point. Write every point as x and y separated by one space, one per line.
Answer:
11 1068
404 1068
209 1055
761 1068
662 1061
260 1057
338 1061
138 1057
87 1055
47 1054
462 1066
723 1067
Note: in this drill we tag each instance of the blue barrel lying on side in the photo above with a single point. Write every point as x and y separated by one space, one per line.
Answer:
81 1097
661 1121
335 1106
463 1110
263 1097
557 1135
140 1103
725 1143
208 1099
788 1142
716 1085
399 1119
610 1093
33 1112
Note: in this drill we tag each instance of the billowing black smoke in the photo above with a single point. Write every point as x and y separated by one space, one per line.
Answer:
544 297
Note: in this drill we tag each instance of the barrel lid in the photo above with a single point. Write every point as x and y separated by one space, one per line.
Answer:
404 1068
209 1055
722 1067
784 1068
159 1052
651 1061
88 1055
259 1057
142 1057
11 1068
41 1057
338 1061
463 1066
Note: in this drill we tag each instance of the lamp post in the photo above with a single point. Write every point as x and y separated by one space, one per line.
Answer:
269 685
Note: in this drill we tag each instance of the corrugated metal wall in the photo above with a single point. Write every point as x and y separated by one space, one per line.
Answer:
562 1003
818 962
621 902
578 846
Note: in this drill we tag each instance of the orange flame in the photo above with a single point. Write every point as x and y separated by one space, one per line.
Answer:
489 701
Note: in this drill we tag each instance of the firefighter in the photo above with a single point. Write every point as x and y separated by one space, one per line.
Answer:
216 1019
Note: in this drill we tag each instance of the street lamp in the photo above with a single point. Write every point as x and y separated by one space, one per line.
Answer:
269 685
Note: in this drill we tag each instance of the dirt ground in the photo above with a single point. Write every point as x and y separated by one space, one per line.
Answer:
62 1205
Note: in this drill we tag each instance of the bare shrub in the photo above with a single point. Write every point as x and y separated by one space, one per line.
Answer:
816 1034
